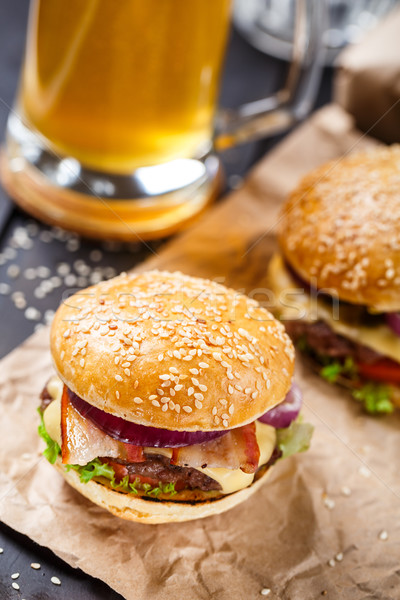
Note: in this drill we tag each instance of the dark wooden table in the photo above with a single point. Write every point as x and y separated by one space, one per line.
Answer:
38 263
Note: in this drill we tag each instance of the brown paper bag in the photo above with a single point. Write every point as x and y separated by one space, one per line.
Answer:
287 535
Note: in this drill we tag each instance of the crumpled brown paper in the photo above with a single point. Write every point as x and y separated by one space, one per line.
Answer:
283 537
367 84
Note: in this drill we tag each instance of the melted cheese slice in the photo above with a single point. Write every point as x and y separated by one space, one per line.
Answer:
230 480
301 305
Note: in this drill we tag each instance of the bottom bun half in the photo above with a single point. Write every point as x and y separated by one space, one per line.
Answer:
146 510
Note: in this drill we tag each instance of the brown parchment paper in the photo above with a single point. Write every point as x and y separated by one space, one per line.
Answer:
367 83
283 537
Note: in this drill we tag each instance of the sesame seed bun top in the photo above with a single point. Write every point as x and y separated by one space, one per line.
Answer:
172 351
340 228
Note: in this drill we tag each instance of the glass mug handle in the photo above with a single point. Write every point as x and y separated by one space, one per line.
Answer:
293 102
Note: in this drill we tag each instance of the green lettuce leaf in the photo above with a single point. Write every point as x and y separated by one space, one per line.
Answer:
53 449
375 398
94 468
295 438
334 369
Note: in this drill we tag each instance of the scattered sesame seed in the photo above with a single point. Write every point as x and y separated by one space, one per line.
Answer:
55 580
138 400
364 472
118 377
5 289
1 550
15 585
339 557
329 503
155 403
383 535
35 566
187 409
331 562
33 314
13 271
203 365
265 592
15 576
345 490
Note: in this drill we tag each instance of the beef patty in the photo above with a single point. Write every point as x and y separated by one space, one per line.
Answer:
158 469
325 342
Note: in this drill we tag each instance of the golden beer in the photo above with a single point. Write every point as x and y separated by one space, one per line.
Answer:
124 84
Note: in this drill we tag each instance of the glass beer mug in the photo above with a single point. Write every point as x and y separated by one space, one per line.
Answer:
114 133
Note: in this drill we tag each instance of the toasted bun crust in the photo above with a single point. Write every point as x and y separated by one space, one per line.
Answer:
340 228
131 508
171 351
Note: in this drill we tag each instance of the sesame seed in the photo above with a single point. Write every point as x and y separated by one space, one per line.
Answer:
187 409
153 397
202 387
173 370
383 536
164 377
198 404
138 400
199 396
177 408
178 387
331 562
82 362
265 592
117 394
346 491
364 472
15 576
55 581
1 550
155 403
339 557
15 585
118 377
195 382
203 365
127 372
329 503
35 566
230 389
225 423
194 371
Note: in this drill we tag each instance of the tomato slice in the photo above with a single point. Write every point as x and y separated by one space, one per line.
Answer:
385 370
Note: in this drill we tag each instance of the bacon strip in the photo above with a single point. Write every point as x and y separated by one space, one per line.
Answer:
237 449
82 441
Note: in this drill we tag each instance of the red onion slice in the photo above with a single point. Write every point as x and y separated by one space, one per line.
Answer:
282 415
140 435
393 321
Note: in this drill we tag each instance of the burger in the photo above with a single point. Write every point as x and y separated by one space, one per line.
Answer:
172 396
336 281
